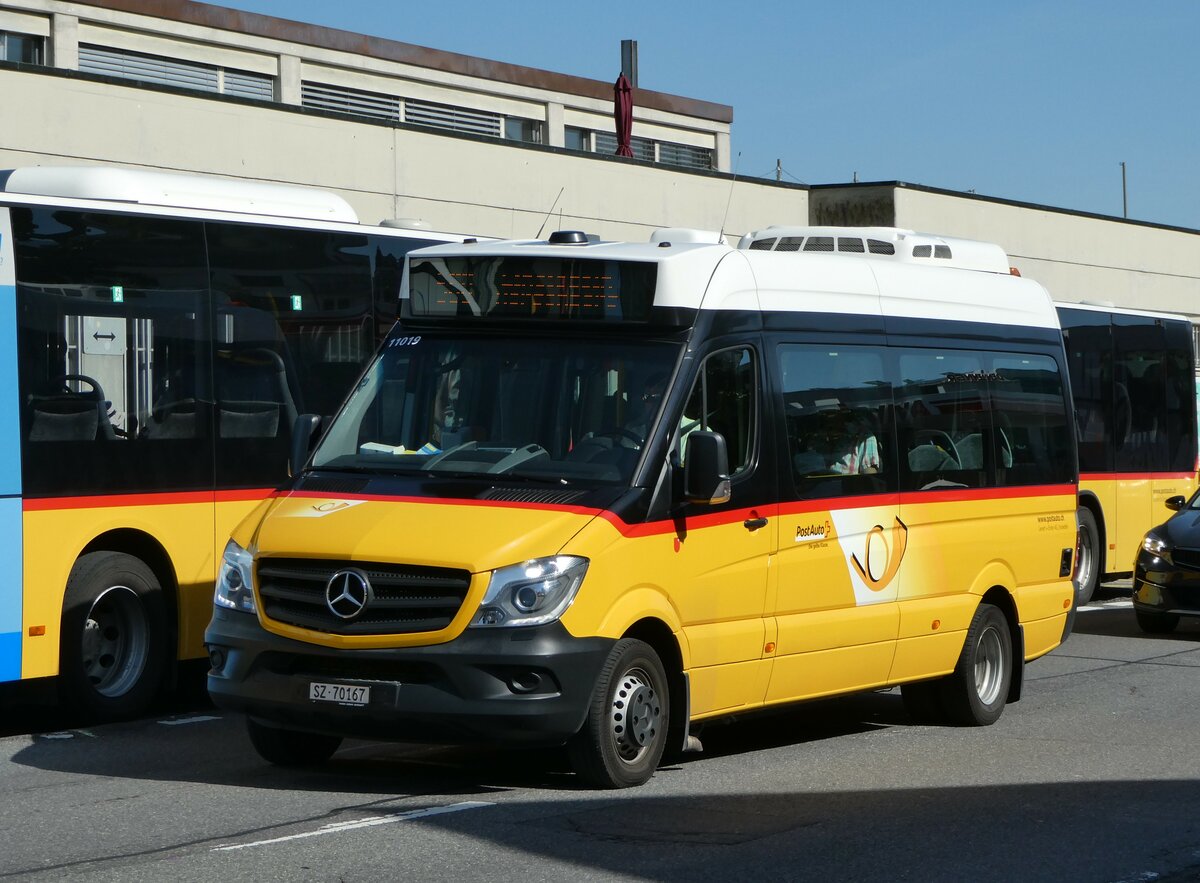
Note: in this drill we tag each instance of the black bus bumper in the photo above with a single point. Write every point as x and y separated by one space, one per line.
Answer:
517 686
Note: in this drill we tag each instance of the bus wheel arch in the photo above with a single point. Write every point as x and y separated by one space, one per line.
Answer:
632 715
118 626
975 693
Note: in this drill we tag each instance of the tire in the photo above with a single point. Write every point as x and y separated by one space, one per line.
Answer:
923 702
1087 568
1156 623
291 748
112 654
975 693
622 739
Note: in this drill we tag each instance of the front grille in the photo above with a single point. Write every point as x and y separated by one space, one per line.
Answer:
1189 558
407 598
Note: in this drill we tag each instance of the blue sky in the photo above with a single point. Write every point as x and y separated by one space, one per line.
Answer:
1031 100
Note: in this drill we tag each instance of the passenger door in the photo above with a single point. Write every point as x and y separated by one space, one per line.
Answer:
840 540
722 552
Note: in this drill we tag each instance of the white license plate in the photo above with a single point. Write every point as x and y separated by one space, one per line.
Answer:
342 694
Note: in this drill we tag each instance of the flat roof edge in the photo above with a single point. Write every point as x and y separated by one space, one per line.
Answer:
258 25
1017 203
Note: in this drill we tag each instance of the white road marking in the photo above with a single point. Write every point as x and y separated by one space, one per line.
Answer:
200 718
1118 604
66 734
368 822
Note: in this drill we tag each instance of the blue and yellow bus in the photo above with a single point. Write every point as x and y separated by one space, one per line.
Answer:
158 336
592 494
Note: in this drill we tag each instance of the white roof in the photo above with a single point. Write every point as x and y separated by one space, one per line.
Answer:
907 245
143 187
699 275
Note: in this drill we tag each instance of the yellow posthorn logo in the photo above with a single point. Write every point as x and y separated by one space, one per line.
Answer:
892 555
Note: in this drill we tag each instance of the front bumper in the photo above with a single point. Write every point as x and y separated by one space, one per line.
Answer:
519 686
1160 586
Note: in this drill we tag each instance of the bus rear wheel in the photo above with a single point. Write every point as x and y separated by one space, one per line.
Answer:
976 692
1087 568
112 653
623 738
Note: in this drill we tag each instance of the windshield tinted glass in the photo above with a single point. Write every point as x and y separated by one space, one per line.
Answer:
543 410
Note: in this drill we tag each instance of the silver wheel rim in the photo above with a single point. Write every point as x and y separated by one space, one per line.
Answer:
635 716
989 666
1087 555
114 642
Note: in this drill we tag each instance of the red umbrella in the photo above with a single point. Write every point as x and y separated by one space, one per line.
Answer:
623 112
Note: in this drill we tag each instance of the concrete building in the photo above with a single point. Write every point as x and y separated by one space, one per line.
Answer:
477 146
398 130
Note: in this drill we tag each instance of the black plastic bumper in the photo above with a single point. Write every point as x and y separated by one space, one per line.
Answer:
1160 586
522 685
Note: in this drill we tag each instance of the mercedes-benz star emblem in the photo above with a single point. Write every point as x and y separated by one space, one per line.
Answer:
348 593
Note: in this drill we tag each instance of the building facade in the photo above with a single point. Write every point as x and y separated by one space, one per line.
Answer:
476 146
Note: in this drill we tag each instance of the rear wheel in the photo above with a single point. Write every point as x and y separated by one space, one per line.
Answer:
976 692
112 655
1156 623
291 748
622 740
1087 568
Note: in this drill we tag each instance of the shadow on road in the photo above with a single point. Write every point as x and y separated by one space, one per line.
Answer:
218 752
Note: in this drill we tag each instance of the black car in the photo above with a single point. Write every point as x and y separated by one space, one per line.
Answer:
1166 573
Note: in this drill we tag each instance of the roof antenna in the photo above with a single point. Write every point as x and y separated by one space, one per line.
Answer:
721 235
549 213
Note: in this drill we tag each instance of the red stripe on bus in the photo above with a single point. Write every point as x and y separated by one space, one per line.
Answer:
1136 476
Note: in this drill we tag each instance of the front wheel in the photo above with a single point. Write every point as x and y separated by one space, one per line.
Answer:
112 654
622 740
291 748
976 692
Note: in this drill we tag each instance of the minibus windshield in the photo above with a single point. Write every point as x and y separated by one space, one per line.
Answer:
552 410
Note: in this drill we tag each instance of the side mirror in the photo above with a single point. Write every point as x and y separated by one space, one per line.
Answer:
304 430
706 469
1175 503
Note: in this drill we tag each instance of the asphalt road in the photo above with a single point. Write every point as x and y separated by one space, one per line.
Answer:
1091 777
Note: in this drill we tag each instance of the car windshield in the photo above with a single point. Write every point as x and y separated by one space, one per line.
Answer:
545 410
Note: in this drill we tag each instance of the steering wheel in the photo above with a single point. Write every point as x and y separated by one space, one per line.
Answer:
939 439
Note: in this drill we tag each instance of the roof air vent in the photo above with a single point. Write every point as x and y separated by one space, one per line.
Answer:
568 237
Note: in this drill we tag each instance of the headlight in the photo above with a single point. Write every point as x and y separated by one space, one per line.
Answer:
533 593
234 580
1156 545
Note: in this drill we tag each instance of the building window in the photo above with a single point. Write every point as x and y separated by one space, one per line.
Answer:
645 149
23 48
342 99
575 138
685 155
517 129
455 119
175 72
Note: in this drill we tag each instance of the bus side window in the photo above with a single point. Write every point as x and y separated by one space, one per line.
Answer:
1033 433
724 400
945 426
837 406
